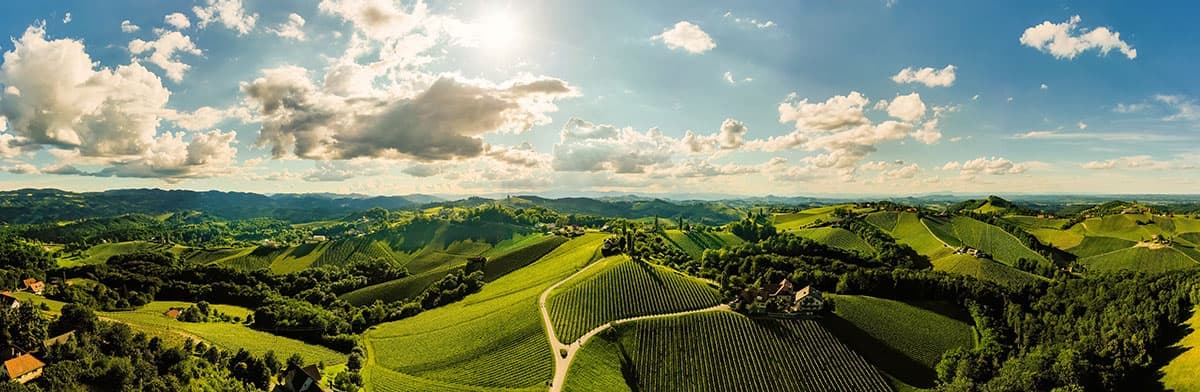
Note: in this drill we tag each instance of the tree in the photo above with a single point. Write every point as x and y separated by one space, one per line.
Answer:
295 360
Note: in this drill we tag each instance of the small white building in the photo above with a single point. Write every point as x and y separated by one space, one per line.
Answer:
808 300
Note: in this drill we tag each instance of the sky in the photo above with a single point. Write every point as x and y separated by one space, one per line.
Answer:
856 97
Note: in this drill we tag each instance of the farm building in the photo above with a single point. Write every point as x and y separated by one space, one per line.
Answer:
35 286
23 369
173 312
9 301
300 379
785 288
808 300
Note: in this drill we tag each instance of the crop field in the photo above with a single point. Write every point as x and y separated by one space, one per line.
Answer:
100 253
598 366
726 351
1140 259
1132 227
621 288
695 242
506 258
984 270
1183 372
910 231
1001 245
885 220
1096 245
798 220
1032 222
942 229
913 337
1062 239
229 336
837 238
491 339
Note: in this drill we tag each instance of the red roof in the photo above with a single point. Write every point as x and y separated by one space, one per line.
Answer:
18 366
173 313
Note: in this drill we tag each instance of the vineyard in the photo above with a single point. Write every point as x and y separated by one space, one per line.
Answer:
491 339
621 288
694 243
725 351
885 220
910 231
837 238
1140 259
1000 244
1095 246
984 269
520 254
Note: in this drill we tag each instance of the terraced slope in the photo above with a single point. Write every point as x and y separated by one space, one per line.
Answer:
913 337
619 288
694 243
837 238
490 340
724 351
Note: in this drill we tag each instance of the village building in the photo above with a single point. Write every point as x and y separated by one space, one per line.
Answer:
8 300
808 300
57 340
785 288
23 368
35 286
318 238
300 379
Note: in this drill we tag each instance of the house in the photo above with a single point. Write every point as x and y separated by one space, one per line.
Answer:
32 284
57 340
318 238
808 300
173 312
785 288
23 369
300 379
8 300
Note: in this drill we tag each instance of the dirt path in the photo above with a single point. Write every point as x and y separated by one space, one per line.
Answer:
563 362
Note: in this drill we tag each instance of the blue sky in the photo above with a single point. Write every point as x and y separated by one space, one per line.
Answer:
688 97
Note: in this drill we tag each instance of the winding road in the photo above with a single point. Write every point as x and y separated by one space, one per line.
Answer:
563 362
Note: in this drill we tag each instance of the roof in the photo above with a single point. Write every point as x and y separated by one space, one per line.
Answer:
807 291
58 339
312 372
18 366
172 313
30 282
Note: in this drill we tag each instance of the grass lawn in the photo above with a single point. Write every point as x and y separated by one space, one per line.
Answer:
228 336
1183 372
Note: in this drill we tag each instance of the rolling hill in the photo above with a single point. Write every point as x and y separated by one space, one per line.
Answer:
694 243
837 238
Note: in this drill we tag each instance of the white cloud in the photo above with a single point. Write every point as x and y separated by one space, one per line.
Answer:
67 18
205 117
1140 162
177 20
523 155
687 36
208 154
164 52
975 97
128 27
1062 41
928 76
293 28
907 107
903 172
587 147
229 13
1102 136
1082 125
761 25
1185 109
728 77
992 166
1044 86
730 136
443 121
379 19
1130 108
839 111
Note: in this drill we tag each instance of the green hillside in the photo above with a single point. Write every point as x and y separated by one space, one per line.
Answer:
1141 259
885 220
904 340
724 351
618 288
837 238
984 269
798 220
1095 245
100 253
490 340
1182 373
1062 239
909 230
695 242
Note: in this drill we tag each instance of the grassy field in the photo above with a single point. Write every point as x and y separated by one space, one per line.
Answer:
229 336
724 351
31 299
100 253
1095 245
909 230
506 258
1141 259
598 366
943 229
1183 372
984 270
619 288
905 340
695 242
837 238
1033 222
490 340
1061 239
798 220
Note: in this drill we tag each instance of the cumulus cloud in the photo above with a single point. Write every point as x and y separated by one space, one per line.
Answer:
229 13
1067 39
292 29
907 107
839 111
205 117
441 122
423 170
992 166
378 19
902 172
1185 109
1044 86
730 136
128 27
584 146
686 36
55 96
928 76
728 77
177 20
67 18
164 52
522 155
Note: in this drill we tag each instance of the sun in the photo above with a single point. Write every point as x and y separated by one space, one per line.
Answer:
498 30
